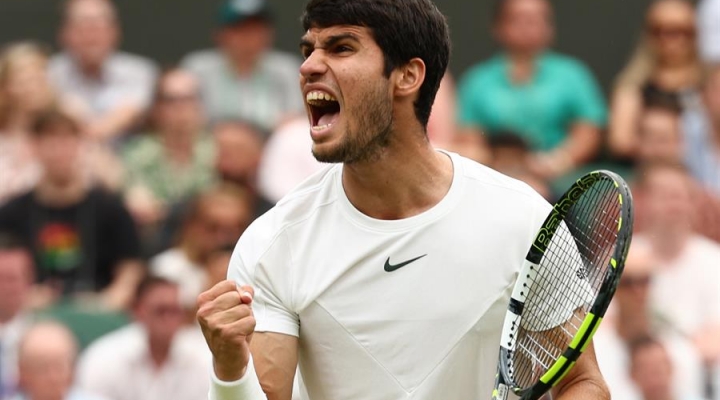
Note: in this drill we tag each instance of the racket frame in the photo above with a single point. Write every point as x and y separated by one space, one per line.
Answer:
504 383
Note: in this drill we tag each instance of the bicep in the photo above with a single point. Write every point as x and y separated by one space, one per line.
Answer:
275 359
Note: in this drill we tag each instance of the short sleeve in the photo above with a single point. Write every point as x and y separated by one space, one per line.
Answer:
270 276
588 103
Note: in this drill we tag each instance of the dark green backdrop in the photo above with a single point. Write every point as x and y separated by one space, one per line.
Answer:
601 33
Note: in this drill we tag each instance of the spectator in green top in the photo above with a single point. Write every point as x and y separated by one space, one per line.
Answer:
551 100
175 161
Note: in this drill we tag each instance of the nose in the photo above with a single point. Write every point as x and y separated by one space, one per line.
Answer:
314 65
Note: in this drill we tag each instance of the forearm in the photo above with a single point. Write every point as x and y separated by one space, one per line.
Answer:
120 292
588 389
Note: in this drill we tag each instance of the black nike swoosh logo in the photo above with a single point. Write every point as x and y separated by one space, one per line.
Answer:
390 268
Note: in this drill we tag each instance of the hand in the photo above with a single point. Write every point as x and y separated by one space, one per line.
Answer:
227 322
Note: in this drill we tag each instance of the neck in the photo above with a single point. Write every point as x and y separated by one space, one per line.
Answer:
677 75
61 194
19 122
159 352
244 66
632 325
408 178
192 253
522 66
669 243
7 317
667 396
179 145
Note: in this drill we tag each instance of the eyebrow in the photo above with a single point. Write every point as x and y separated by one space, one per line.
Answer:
330 41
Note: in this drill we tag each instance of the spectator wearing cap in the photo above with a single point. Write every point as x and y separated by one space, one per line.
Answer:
46 364
82 237
114 87
243 78
551 100
156 357
173 161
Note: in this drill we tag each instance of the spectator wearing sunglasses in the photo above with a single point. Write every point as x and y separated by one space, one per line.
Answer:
155 357
665 61
630 319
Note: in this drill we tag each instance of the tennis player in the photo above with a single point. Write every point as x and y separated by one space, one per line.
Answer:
388 274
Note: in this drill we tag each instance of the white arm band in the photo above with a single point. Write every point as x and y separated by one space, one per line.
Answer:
246 388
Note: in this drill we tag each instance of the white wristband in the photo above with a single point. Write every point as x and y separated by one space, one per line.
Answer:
246 388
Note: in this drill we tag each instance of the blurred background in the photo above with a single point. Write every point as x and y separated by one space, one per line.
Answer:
139 139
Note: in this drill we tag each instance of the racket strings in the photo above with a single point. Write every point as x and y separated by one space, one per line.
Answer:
570 274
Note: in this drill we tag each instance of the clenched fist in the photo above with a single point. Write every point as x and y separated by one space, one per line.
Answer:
226 318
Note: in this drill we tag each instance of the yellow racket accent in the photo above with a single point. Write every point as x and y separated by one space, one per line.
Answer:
554 370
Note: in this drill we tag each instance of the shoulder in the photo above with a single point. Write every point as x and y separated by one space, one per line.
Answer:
315 193
18 203
484 71
142 148
566 65
133 62
59 62
709 249
202 60
114 345
282 60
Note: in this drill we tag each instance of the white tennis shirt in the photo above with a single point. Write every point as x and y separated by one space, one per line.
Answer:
430 328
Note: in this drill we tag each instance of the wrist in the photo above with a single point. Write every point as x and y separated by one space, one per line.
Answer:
229 373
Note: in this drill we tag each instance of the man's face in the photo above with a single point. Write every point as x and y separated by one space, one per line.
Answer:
652 372
348 98
160 312
669 199
58 153
90 32
178 109
660 136
15 281
671 31
525 26
239 149
220 223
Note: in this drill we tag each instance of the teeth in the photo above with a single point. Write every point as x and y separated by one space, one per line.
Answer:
319 95
321 127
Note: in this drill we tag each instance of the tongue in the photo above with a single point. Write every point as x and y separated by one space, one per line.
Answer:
327 119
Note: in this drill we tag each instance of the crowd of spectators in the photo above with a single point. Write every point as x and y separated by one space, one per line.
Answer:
124 187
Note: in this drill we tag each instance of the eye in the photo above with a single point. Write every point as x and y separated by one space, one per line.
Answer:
305 53
340 49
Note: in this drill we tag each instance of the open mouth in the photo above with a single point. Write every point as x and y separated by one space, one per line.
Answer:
324 109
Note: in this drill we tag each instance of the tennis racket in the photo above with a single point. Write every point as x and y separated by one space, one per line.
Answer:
565 285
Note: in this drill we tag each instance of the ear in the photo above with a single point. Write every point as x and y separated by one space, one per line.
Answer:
409 77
